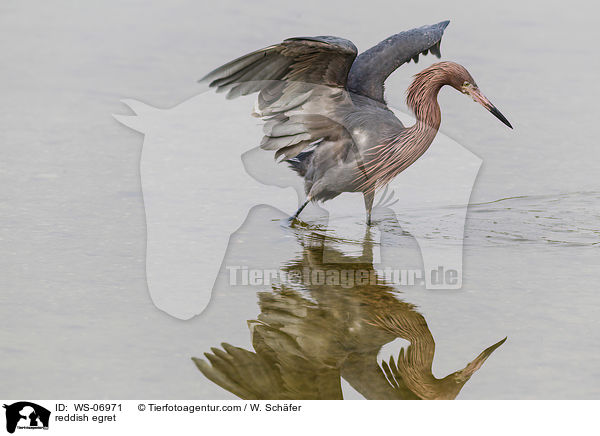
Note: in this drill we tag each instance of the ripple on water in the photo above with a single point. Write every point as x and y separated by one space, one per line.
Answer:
564 219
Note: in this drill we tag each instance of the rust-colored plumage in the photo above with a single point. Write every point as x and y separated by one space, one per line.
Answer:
399 152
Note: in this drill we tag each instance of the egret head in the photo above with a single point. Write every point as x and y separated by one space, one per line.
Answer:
464 82
455 75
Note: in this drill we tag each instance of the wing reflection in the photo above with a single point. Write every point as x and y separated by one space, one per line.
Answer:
312 333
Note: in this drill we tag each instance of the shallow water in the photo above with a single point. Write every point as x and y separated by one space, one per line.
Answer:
560 219
77 320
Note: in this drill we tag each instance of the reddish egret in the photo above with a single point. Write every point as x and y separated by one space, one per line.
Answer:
325 112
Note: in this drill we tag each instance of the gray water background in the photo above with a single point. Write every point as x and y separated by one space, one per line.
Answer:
76 319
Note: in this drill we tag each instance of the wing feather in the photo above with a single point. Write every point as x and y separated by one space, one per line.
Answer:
299 82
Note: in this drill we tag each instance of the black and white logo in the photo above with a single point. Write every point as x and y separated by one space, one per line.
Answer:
26 415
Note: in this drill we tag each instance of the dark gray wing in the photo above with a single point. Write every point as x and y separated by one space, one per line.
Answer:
372 68
302 91
320 60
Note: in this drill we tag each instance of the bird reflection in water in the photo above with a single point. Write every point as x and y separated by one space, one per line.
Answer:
308 337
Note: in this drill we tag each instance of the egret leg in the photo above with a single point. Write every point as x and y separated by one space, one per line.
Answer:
300 209
369 197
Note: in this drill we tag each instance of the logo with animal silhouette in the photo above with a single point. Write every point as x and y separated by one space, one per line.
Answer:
26 415
324 115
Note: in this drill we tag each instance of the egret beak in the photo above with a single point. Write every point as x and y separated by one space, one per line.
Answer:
476 94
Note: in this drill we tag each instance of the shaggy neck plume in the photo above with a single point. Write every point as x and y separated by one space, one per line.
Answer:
421 99
404 149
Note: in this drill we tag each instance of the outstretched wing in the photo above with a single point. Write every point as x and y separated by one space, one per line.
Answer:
373 66
302 91
320 60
